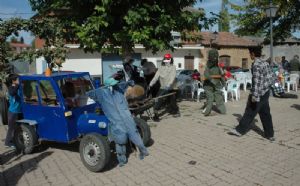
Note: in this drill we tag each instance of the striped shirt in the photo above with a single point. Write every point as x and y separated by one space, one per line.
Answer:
262 78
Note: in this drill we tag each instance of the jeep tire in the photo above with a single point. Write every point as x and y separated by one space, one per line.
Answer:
25 138
94 152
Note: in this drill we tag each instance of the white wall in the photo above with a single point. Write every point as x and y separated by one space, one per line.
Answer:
80 61
41 65
178 56
282 50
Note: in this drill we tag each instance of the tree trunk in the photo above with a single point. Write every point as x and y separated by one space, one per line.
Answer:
127 51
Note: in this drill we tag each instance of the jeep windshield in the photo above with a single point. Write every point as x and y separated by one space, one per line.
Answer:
74 88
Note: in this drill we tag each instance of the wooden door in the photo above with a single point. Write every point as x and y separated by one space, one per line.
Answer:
189 62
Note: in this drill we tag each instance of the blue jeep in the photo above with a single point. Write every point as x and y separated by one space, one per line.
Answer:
52 113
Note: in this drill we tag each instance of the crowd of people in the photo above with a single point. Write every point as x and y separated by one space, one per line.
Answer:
161 82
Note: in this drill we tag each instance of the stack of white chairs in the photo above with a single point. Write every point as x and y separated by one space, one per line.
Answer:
197 87
224 91
241 79
293 80
248 78
233 88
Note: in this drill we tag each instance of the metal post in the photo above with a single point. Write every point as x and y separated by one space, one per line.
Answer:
271 35
271 12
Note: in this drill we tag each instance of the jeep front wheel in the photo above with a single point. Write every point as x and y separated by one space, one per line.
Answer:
94 152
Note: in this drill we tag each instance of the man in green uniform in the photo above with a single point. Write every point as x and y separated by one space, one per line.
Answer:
213 83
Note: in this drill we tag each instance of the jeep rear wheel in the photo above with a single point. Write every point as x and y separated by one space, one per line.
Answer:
25 138
94 152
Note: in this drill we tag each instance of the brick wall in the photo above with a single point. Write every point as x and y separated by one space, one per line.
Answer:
236 55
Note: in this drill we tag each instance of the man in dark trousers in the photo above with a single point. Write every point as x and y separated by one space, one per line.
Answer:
258 100
14 109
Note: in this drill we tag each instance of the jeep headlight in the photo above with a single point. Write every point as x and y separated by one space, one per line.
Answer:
102 125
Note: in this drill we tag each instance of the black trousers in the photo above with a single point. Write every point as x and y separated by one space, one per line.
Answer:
252 109
170 100
12 117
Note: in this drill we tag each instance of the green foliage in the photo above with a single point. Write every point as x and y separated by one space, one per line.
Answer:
50 29
224 21
6 29
13 39
224 18
116 25
252 19
5 53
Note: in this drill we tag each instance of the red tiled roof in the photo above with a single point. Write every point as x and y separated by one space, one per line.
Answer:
19 45
226 39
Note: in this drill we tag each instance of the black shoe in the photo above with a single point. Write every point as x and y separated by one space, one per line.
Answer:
156 118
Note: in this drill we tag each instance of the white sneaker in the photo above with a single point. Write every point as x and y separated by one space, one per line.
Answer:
234 132
203 111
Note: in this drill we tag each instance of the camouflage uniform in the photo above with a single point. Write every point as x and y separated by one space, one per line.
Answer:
213 86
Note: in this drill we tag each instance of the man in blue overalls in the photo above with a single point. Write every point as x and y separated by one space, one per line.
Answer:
122 125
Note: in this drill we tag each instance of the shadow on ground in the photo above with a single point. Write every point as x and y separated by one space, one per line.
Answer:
10 156
22 168
296 106
74 147
253 127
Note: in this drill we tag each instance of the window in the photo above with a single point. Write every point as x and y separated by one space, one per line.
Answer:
47 93
225 59
179 65
30 95
244 63
74 91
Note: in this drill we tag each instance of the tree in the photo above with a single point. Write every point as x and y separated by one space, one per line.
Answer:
224 20
7 28
116 25
49 29
21 40
5 67
13 39
252 19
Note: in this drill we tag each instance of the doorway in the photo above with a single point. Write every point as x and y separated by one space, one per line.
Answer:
189 62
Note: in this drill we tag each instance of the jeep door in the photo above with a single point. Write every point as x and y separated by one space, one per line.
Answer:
42 103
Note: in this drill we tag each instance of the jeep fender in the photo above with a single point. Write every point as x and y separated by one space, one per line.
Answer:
89 123
27 121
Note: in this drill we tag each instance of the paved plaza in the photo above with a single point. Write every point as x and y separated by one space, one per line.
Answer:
190 150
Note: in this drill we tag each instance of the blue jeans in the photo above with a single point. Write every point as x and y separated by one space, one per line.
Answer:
134 137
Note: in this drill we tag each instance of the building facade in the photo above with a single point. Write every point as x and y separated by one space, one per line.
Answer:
99 64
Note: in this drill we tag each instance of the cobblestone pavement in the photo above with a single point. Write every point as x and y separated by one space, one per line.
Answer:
190 150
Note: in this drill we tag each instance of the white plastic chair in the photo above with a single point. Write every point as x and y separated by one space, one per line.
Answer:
248 79
294 79
224 91
233 89
199 88
241 79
